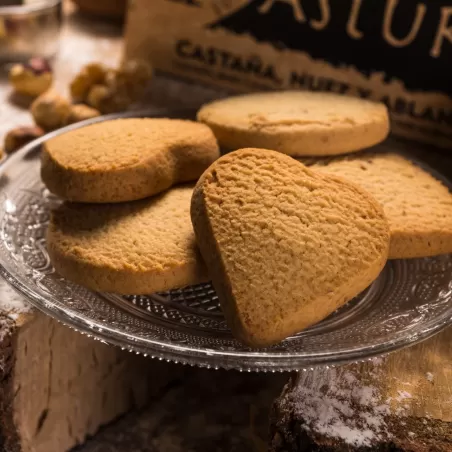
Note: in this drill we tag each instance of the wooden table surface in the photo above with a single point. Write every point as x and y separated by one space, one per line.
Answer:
84 40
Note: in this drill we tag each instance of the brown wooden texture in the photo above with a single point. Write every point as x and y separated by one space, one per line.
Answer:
400 402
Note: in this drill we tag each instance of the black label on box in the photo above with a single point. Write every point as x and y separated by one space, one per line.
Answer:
405 39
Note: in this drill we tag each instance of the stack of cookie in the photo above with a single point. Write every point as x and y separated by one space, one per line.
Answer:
286 241
124 229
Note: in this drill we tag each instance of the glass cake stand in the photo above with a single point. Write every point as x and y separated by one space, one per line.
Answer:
410 301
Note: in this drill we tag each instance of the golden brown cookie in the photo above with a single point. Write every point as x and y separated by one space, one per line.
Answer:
130 248
418 206
126 159
297 122
285 246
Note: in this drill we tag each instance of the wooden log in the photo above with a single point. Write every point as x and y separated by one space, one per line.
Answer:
210 411
58 387
401 402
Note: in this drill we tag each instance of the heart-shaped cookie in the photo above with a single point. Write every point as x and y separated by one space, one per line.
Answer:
285 246
126 159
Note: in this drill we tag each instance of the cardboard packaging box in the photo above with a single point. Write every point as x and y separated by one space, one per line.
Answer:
395 51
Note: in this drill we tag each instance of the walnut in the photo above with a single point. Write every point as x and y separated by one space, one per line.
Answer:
20 136
80 112
90 75
50 110
32 78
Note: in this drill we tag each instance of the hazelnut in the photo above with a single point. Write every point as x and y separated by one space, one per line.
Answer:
50 110
97 95
107 99
131 79
90 75
33 78
81 112
20 136
3 35
134 74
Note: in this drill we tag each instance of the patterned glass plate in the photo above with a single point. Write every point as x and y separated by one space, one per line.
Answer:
410 301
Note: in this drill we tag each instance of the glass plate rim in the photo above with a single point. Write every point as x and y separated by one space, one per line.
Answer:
205 357
200 356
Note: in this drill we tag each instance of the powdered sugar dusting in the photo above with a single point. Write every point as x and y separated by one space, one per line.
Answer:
3 330
403 395
334 403
5 327
366 395
11 303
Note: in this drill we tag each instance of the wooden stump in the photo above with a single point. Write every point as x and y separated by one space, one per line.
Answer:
402 402
57 387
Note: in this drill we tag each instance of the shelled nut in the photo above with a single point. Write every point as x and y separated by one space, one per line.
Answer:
134 75
32 78
80 112
90 75
121 87
20 136
97 96
50 110
106 99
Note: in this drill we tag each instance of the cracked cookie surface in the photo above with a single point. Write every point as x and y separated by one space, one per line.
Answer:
285 246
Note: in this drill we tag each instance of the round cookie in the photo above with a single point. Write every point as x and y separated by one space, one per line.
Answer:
126 159
137 247
417 205
297 123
